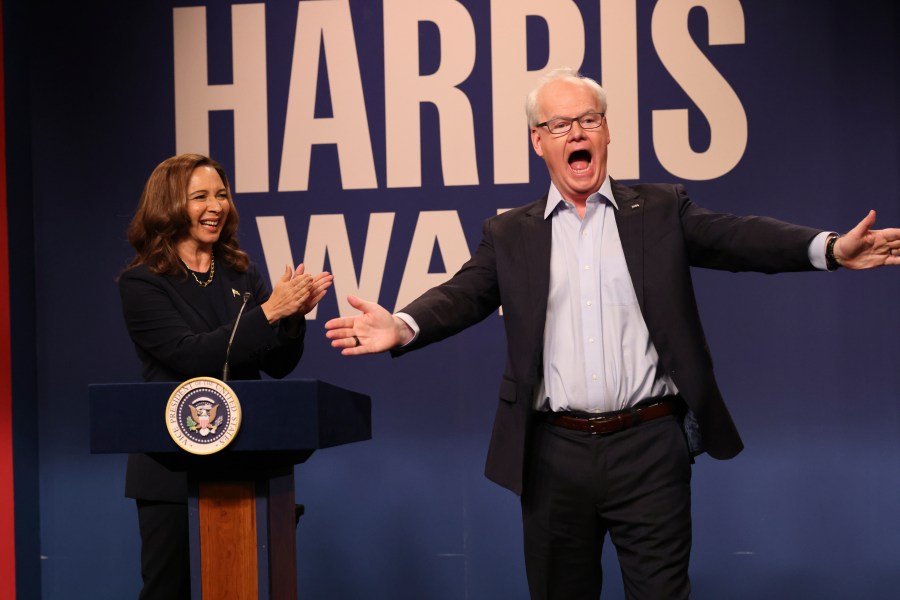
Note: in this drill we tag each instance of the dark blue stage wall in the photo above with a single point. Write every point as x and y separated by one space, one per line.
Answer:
372 138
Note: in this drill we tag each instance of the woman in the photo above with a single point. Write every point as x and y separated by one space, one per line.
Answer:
181 295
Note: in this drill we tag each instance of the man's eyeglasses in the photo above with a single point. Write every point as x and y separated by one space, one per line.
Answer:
561 125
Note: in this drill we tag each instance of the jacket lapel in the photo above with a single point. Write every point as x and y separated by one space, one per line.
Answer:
536 240
630 221
235 286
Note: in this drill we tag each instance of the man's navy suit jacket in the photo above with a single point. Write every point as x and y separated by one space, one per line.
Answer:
663 234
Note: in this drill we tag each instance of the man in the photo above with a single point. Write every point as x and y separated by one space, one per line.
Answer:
608 388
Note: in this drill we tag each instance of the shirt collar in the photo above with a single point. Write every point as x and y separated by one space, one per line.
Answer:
554 198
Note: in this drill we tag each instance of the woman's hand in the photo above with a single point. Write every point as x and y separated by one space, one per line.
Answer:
288 295
317 288
296 293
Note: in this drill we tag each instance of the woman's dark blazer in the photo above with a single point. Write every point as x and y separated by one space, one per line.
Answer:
181 330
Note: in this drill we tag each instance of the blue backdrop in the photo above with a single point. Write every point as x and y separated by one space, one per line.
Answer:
807 362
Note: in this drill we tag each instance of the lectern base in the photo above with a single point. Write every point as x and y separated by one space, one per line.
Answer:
243 537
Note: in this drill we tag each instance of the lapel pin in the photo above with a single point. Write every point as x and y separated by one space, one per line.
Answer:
635 206
235 293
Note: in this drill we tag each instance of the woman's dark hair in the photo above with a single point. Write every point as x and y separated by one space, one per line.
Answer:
162 220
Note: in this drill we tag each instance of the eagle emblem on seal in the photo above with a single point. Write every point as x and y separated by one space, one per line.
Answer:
203 418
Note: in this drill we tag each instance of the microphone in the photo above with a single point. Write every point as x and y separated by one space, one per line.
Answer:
245 297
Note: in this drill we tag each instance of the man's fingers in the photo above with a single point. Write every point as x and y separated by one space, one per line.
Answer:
339 325
363 306
357 303
863 226
345 341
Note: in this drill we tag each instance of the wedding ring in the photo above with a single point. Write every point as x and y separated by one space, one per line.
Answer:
357 341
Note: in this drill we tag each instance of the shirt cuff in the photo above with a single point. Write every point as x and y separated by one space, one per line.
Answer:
816 250
415 326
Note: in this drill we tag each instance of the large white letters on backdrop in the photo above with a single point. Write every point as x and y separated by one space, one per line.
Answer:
326 26
329 22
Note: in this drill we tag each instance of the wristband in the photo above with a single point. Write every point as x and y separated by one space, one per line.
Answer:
831 263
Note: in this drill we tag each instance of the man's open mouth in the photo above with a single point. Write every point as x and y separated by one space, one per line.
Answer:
580 161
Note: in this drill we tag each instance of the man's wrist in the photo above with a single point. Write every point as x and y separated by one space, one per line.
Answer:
407 328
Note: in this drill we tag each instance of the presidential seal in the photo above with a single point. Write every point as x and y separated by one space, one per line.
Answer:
203 415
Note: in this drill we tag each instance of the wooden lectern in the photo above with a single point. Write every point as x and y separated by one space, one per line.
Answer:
241 500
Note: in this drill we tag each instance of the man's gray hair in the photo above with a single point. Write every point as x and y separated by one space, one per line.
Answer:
531 102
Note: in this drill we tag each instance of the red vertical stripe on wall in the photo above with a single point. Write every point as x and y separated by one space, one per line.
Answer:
7 521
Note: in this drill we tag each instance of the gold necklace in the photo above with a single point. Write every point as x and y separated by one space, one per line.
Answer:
212 272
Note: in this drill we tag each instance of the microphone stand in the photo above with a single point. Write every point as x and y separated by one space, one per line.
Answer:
245 297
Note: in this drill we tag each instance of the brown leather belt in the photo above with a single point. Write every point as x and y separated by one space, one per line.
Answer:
612 422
